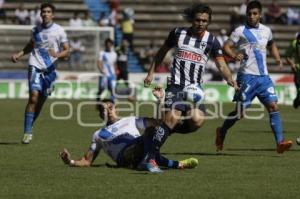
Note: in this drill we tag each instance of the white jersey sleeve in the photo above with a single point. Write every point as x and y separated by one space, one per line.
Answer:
100 58
95 144
141 123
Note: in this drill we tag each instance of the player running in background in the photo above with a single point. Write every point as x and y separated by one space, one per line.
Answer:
292 55
44 47
248 44
193 46
107 64
122 141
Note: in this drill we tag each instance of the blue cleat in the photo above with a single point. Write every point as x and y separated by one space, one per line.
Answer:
150 165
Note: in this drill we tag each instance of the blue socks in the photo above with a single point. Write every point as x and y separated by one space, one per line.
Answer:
275 122
28 121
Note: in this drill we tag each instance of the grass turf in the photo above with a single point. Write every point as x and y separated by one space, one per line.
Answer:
249 167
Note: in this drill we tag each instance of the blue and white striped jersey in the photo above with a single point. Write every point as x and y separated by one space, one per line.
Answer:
113 138
191 54
109 60
44 39
253 42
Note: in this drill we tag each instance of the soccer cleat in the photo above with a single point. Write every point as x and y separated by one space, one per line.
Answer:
150 165
219 140
284 146
27 138
188 163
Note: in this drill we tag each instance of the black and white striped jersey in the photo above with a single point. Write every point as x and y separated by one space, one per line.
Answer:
191 54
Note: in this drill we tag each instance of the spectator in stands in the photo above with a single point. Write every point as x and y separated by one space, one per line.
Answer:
274 14
127 25
122 63
2 11
35 16
222 37
234 18
75 21
113 17
242 12
103 20
147 55
293 16
77 50
22 15
87 20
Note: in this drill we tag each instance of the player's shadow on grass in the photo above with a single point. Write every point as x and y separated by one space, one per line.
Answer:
10 143
204 154
103 166
257 149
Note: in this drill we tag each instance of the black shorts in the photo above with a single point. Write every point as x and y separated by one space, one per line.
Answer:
132 155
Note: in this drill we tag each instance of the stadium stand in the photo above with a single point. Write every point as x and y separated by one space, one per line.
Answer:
153 21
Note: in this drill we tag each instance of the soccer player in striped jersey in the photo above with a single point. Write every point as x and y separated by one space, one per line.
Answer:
248 44
47 44
193 46
121 140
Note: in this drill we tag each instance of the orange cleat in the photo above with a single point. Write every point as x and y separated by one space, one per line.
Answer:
219 140
284 146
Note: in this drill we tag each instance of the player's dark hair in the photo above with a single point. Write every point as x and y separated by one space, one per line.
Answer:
190 12
254 4
109 40
101 108
47 5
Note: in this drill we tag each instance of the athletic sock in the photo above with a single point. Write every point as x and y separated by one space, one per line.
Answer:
154 142
165 162
229 122
275 122
28 121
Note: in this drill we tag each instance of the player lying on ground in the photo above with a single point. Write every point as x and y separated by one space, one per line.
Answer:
248 44
122 141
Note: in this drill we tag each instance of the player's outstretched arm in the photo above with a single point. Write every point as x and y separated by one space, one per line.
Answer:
160 55
222 66
62 54
230 50
85 161
275 53
27 49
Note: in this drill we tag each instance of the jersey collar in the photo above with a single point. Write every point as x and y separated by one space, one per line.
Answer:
249 26
46 26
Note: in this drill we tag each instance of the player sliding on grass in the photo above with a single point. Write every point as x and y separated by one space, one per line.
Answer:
44 47
193 46
248 44
122 141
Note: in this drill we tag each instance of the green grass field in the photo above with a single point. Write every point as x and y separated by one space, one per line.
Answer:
249 167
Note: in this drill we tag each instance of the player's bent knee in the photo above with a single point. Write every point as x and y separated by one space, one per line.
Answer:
273 107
